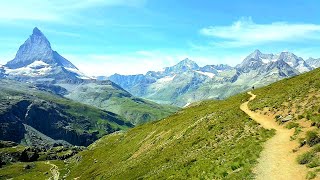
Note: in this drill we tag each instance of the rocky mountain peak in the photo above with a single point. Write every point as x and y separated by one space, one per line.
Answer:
253 61
295 61
37 48
188 62
184 65
315 63
37 32
256 53
287 55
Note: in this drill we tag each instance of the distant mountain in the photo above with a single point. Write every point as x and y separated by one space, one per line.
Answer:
295 62
37 48
36 62
186 82
212 139
184 65
216 68
315 63
2 71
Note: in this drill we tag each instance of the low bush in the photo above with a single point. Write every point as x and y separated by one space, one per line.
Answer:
291 125
305 158
312 138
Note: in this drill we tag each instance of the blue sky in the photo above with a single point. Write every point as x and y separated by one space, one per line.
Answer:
103 37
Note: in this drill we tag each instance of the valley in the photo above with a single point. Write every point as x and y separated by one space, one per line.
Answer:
142 89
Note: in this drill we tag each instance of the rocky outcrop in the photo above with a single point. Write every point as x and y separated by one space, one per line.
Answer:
47 118
11 152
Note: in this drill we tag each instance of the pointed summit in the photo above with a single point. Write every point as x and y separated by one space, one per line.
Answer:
37 48
257 51
37 32
187 62
182 66
255 54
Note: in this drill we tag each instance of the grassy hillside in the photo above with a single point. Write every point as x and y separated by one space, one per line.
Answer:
212 140
299 98
52 115
110 97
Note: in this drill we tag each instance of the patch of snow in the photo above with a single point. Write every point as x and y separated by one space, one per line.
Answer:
210 75
290 63
187 105
266 60
301 68
166 79
37 68
36 64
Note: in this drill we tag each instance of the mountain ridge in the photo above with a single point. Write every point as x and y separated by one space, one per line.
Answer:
37 63
257 69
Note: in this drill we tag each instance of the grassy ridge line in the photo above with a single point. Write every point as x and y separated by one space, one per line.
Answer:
118 101
298 96
12 92
286 90
212 140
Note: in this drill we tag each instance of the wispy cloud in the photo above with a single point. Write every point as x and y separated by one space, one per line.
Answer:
45 10
129 63
245 32
140 62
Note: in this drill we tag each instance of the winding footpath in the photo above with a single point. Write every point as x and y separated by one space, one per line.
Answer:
54 171
277 161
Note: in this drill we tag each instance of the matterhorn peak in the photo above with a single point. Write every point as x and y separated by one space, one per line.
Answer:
37 32
37 48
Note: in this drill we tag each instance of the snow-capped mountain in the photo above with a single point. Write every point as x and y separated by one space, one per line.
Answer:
295 62
36 60
186 82
314 63
2 71
184 65
216 68
36 63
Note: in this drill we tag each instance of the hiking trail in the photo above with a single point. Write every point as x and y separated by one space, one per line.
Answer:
277 160
54 171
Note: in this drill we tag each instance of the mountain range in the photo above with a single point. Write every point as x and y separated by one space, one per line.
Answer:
186 82
36 63
214 139
46 101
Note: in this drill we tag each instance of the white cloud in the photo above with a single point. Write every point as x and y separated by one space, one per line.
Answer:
131 63
141 61
245 32
47 10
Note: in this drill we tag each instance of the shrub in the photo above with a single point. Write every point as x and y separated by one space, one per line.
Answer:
305 158
311 175
315 162
312 138
291 125
316 148
235 166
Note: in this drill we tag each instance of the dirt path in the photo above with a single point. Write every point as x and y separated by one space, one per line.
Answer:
277 161
54 171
